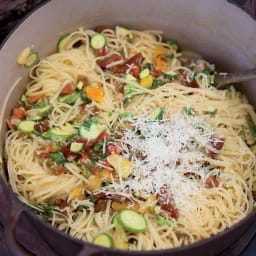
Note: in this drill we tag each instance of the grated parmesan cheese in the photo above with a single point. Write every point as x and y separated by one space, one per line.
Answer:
162 152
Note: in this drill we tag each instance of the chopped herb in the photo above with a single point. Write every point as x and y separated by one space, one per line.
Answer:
251 126
85 99
174 44
157 83
168 57
125 115
98 147
87 124
90 198
58 157
189 111
162 221
94 221
130 90
149 66
40 104
33 210
48 211
171 76
87 172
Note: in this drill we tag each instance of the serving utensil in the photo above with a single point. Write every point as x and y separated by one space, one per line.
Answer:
223 79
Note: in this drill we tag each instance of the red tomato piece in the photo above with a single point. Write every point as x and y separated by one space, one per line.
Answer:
68 89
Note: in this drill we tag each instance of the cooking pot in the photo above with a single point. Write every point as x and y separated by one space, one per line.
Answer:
218 30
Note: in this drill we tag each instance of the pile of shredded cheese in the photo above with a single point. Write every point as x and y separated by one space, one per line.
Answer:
162 153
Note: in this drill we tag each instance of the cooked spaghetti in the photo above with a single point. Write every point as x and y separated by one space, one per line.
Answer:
121 139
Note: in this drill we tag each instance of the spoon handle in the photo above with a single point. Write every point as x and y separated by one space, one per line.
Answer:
235 77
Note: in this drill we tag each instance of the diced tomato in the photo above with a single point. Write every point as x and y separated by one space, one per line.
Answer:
102 136
216 143
12 122
113 58
136 59
87 143
43 127
113 148
101 52
59 202
67 153
34 98
156 72
68 89
100 28
83 79
84 159
106 163
59 171
19 113
192 84
100 205
44 152
212 181
135 70
134 62
165 202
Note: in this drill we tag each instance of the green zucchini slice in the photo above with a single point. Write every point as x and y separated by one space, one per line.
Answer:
103 239
98 41
26 126
132 220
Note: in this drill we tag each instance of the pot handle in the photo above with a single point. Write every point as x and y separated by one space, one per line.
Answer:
89 250
9 215
248 6
20 235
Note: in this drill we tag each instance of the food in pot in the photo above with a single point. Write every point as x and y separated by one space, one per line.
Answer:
122 140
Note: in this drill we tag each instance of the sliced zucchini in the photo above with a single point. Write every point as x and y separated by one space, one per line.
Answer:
26 126
61 42
91 129
76 147
129 77
123 32
130 89
98 41
115 219
79 86
57 134
163 221
121 165
171 75
157 114
31 60
23 56
103 239
45 111
132 220
70 98
143 73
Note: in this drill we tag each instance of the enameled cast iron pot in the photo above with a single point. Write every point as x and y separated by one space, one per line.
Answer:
220 31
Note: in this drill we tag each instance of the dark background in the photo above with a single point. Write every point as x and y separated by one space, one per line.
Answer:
12 11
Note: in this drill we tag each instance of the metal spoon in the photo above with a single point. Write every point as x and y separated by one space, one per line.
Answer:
223 79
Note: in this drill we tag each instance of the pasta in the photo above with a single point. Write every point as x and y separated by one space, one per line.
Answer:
120 123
